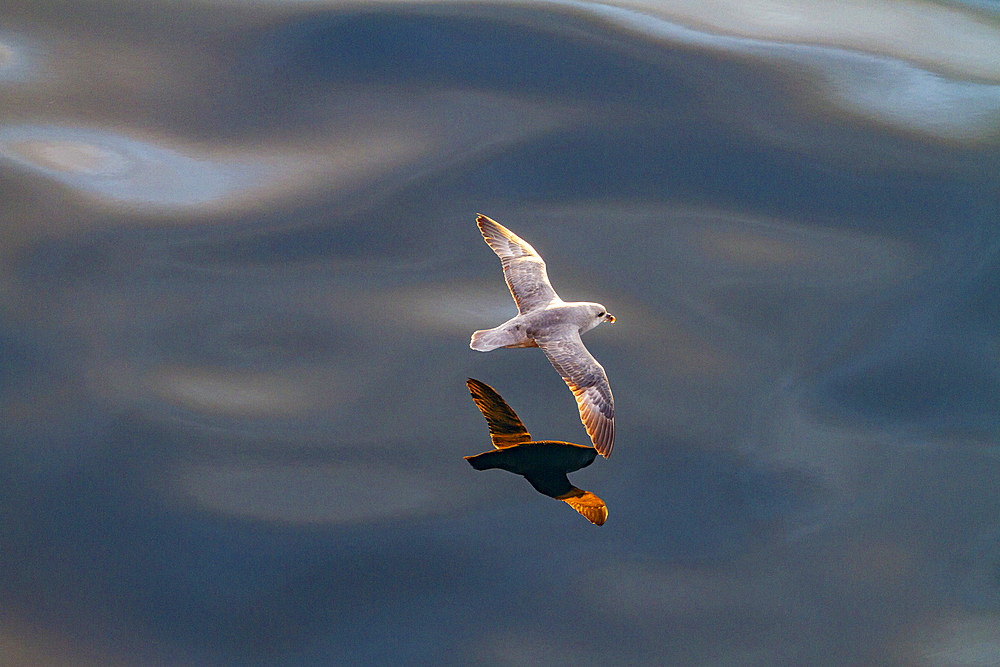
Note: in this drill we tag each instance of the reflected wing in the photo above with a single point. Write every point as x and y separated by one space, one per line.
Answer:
587 504
523 268
506 429
588 382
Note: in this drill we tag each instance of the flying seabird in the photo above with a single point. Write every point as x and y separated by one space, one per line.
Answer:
546 321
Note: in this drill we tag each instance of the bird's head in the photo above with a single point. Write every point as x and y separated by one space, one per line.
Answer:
600 314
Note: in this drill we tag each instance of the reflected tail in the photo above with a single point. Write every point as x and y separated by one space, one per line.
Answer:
484 461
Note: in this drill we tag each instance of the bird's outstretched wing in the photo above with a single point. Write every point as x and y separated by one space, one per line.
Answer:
523 268
587 504
588 382
506 429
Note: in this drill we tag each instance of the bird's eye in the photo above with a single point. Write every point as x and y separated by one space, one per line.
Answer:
601 314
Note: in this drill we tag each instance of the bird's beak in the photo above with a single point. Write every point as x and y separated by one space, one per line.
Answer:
610 318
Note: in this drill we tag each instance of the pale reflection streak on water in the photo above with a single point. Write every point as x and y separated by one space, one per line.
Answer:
875 72
163 177
14 60
239 277
883 27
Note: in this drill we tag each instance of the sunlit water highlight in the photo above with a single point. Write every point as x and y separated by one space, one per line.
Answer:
115 167
875 85
18 60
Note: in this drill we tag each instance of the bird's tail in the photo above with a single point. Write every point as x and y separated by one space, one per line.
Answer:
485 340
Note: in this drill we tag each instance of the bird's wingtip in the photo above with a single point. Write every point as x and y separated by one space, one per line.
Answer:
604 444
602 435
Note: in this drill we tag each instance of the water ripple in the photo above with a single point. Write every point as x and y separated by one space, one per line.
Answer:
17 59
859 64
123 169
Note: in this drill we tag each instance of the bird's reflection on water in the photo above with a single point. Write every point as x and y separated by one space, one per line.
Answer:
544 463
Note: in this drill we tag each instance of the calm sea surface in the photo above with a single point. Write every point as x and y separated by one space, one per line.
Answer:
239 268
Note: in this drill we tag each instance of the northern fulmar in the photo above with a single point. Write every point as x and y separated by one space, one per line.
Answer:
546 321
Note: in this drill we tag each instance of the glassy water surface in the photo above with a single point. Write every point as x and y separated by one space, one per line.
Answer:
240 268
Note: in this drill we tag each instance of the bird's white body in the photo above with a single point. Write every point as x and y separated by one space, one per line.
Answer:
520 330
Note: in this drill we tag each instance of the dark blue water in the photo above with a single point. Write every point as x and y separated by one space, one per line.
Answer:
239 272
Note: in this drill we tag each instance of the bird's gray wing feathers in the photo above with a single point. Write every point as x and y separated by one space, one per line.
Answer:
523 268
588 382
